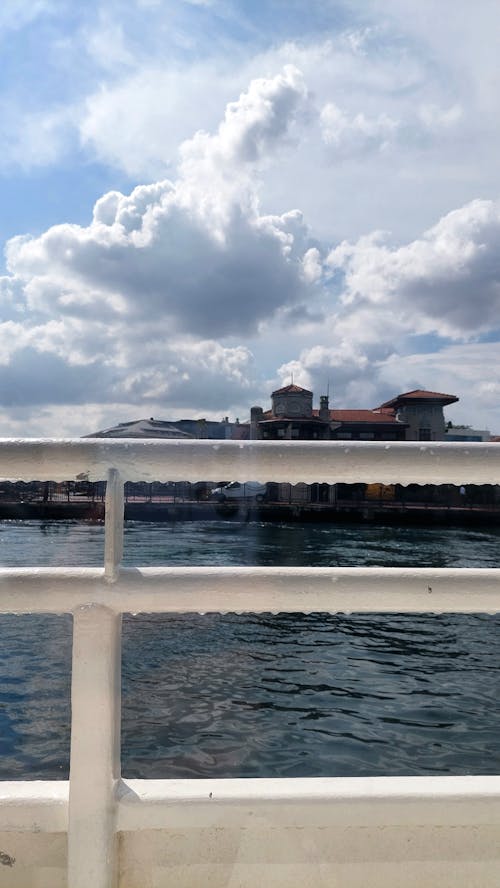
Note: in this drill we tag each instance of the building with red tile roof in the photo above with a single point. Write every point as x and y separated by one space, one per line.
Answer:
415 415
423 412
419 395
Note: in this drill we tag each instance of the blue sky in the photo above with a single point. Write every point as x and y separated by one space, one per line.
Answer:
201 198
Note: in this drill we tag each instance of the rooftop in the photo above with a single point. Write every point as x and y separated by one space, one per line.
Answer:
288 389
141 428
419 395
364 416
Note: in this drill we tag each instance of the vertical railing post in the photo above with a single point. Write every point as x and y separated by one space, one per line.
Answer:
95 748
113 539
95 723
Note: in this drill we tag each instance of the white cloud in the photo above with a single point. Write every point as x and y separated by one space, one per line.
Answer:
348 137
436 118
106 44
467 370
359 133
395 109
192 287
131 304
31 139
253 124
195 251
447 281
356 380
137 123
312 265
345 371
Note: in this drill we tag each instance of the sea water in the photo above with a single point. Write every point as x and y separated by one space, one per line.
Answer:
263 695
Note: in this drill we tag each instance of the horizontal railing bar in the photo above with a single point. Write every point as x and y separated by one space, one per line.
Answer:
34 805
42 805
315 801
252 590
402 462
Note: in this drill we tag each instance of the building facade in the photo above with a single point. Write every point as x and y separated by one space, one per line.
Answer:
422 412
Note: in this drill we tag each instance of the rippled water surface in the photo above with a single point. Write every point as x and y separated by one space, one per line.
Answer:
263 695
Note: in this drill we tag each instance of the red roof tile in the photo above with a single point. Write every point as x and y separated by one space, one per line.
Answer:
363 416
373 416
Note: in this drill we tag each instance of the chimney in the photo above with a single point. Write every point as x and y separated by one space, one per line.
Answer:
324 410
256 414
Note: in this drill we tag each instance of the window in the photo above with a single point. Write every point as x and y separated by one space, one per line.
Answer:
424 434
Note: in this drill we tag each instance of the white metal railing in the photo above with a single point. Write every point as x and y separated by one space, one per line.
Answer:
97 803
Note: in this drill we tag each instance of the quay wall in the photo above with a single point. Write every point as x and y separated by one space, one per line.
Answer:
340 512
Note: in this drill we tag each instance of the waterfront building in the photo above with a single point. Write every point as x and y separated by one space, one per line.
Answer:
292 416
142 428
415 415
213 429
181 428
368 425
423 413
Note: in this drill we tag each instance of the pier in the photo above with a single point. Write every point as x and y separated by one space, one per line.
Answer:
170 510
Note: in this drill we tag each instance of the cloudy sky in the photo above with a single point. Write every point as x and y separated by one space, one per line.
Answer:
203 197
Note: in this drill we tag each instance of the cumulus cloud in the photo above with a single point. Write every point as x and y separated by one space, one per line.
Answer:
312 265
349 373
447 281
368 150
195 251
174 267
251 125
190 372
396 310
135 121
155 296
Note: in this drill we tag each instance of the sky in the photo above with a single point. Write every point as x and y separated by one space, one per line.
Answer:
203 199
